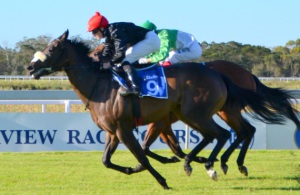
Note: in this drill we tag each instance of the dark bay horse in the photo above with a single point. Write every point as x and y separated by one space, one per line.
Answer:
196 93
278 99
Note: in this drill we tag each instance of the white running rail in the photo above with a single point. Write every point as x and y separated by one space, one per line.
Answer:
67 103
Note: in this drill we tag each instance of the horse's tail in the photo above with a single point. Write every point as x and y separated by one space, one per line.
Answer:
254 104
279 100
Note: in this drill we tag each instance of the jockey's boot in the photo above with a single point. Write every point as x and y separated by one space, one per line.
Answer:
134 88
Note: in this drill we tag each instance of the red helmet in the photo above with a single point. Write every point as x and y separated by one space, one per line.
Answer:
97 21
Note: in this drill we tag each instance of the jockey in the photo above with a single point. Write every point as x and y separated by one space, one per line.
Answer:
125 43
176 47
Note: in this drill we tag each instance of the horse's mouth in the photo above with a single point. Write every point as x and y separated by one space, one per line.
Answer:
37 74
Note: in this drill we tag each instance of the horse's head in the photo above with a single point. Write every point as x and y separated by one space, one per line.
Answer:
53 58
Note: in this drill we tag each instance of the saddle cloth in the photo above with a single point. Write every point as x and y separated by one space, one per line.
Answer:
152 81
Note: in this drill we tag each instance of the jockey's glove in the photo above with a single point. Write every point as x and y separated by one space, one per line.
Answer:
143 61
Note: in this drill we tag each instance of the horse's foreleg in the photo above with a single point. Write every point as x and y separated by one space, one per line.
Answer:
132 144
170 139
153 131
111 144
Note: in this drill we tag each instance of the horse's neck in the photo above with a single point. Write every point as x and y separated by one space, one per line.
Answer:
88 82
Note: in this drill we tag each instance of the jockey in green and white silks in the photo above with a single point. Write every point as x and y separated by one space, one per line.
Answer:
175 46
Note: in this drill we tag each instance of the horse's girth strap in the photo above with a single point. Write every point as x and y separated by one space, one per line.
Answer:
136 111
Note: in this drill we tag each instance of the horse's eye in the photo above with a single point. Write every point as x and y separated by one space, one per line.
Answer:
51 49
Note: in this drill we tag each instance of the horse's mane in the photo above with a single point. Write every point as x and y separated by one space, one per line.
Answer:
84 50
81 47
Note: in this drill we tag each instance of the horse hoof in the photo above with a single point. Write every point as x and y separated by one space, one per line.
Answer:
224 168
175 159
163 183
213 174
166 187
139 168
243 170
129 171
188 171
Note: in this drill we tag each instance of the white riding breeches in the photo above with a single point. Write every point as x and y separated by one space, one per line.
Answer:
188 49
150 44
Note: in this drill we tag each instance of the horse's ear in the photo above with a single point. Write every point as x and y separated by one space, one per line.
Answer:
64 36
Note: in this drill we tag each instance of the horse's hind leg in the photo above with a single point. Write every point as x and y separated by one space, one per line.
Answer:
228 152
132 144
241 157
222 136
189 157
210 129
244 131
244 149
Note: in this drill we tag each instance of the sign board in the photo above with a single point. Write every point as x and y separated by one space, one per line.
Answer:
31 132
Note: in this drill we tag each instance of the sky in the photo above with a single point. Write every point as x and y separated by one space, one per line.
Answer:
267 23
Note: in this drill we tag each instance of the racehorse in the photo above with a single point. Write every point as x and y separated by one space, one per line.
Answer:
278 99
195 94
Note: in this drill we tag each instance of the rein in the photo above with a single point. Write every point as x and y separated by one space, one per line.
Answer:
87 106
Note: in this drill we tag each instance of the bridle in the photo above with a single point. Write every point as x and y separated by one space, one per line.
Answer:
50 66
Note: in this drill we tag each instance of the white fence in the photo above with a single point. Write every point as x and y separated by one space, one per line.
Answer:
279 78
18 77
67 103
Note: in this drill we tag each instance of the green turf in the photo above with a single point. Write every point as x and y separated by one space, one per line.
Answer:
270 172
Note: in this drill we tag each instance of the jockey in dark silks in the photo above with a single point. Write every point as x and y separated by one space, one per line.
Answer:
125 43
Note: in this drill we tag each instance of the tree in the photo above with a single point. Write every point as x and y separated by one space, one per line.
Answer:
261 61
24 52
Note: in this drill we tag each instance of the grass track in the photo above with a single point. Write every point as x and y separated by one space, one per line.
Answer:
270 172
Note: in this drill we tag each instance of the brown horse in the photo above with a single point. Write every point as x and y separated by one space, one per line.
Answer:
195 93
278 99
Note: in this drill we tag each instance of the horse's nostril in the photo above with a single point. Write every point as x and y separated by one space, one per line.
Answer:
29 68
